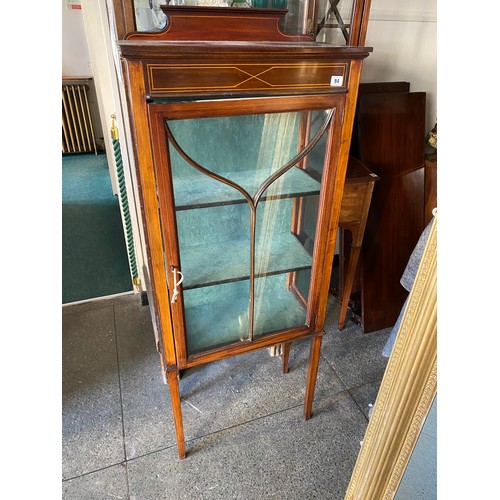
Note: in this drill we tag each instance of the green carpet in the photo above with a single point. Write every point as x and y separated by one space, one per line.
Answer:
94 253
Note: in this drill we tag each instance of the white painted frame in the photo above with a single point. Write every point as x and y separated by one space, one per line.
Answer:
111 95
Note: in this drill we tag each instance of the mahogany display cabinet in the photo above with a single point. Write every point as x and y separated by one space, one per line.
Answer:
242 135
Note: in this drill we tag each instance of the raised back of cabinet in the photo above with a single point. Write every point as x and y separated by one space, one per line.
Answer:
389 138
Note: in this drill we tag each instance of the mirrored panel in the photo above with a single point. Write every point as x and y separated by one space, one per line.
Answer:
328 21
150 17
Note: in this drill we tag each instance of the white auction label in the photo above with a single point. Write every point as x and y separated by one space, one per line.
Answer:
336 81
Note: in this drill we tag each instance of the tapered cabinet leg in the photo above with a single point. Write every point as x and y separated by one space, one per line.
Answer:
351 270
285 354
312 372
175 395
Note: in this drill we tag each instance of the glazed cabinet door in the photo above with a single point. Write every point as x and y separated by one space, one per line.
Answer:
244 213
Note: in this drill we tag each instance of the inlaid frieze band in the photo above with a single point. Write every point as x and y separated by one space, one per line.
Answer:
180 78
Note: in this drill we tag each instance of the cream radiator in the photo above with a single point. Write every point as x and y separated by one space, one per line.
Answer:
77 129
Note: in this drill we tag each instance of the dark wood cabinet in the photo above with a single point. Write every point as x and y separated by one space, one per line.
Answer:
430 186
389 138
241 142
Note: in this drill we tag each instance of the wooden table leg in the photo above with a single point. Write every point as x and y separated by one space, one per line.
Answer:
285 354
351 271
312 372
353 216
175 395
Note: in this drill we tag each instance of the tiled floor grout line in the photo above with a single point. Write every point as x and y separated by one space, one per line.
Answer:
340 396
345 393
203 436
125 462
357 404
348 389
335 371
94 471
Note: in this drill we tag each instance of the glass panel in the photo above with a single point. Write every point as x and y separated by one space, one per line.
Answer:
293 22
333 16
149 16
288 220
216 315
242 149
201 232
243 234
309 205
334 21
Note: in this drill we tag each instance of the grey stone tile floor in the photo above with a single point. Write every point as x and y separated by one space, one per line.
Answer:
245 432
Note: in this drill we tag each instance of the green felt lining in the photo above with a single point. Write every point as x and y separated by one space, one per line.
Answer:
208 265
218 315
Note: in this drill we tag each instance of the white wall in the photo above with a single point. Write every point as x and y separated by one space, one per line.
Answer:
404 40
76 62
103 72
75 53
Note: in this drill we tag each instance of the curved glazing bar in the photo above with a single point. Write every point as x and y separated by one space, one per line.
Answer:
296 159
275 185
203 170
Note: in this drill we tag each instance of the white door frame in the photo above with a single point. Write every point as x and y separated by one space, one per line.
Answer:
108 80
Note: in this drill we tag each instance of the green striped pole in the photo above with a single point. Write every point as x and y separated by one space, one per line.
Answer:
124 201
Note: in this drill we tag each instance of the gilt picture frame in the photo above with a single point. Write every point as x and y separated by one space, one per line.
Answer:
407 390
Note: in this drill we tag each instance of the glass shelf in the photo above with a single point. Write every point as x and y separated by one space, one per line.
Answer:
218 315
201 191
204 265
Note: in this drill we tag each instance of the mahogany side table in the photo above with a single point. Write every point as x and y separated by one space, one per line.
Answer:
356 201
